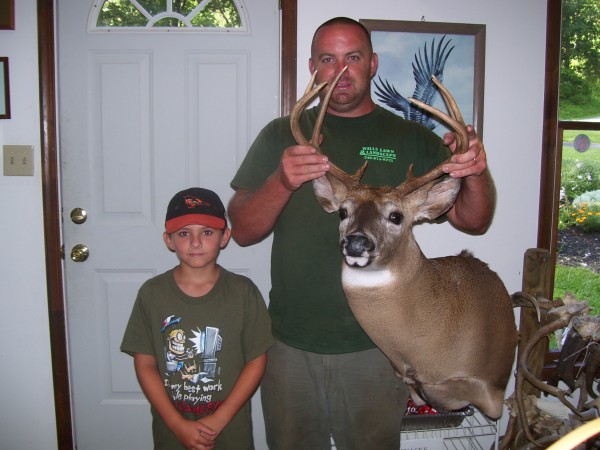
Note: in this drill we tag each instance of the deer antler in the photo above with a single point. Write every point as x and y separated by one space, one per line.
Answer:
310 93
455 121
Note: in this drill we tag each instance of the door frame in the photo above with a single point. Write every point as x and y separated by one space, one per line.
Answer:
54 252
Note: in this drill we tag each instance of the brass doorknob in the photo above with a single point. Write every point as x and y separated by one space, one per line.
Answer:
80 253
78 215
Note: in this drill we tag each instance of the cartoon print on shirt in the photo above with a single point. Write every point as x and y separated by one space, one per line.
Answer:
171 320
192 368
197 362
176 352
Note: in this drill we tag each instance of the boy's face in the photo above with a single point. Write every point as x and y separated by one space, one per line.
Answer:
197 246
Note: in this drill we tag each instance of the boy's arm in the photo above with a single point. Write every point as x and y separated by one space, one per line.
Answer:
244 387
189 433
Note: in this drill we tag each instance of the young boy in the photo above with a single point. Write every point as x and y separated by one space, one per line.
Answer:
198 334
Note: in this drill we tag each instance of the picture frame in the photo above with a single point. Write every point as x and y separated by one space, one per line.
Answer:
7 14
404 46
4 89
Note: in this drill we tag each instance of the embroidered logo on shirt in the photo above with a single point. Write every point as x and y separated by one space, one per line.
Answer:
378 154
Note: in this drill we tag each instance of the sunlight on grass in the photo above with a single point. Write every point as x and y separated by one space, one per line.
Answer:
582 283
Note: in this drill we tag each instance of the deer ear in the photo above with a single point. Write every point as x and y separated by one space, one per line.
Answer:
439 197
330 192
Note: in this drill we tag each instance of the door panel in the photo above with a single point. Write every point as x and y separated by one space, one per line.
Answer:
142 116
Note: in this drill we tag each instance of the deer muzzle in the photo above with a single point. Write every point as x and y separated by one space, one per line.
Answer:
357 248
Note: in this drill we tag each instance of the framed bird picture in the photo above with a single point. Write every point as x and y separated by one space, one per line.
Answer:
410 53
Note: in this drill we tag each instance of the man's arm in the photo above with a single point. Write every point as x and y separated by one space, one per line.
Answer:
253 214
189 433
474 208
244 387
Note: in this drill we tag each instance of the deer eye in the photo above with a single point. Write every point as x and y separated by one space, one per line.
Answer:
396 217
343 213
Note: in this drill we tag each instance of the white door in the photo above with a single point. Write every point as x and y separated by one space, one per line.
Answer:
142 115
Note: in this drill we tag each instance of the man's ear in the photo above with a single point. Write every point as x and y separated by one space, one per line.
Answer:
374 64
311 66
168 241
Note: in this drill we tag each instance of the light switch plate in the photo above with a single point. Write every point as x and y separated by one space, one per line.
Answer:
18 160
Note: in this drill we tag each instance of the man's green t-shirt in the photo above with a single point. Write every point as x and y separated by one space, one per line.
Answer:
308 308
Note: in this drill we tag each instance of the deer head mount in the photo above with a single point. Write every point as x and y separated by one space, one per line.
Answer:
446 324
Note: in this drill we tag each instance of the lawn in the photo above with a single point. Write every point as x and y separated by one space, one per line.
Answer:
582 283
592 154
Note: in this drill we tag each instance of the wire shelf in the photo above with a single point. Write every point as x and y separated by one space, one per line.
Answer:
475 432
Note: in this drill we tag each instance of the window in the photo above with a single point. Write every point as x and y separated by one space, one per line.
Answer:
570 179
576 196
168 15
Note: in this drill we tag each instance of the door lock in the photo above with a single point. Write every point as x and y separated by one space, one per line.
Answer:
80 253
78 215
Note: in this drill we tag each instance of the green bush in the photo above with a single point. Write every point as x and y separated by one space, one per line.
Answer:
578 177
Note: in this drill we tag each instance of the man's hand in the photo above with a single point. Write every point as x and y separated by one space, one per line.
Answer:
472 162
300 164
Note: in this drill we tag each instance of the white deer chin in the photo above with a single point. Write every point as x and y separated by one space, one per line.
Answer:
356 277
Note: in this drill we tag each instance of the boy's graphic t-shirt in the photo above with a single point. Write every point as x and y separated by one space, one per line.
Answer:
201 345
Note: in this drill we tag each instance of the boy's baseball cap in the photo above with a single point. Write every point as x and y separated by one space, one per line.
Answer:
195 206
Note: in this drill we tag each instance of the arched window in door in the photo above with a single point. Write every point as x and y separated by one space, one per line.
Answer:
168 15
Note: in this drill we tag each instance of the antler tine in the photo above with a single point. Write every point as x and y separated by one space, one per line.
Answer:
311 83
448 100
310 93
455 121
325 103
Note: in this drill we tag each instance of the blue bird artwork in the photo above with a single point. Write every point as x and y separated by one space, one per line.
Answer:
428 61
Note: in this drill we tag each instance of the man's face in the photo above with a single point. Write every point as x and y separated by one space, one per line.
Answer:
336 46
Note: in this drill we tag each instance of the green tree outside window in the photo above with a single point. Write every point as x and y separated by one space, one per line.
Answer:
169 14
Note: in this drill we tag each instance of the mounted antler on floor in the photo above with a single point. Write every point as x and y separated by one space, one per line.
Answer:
564 313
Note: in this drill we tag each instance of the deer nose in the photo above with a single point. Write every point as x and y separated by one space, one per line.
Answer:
356 244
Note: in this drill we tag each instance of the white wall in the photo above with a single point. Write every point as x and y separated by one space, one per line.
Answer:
514 81
26 392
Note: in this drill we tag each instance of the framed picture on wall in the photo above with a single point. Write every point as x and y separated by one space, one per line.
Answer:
410 52
4 89
7 14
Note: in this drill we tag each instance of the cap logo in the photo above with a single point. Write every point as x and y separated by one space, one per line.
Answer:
194 202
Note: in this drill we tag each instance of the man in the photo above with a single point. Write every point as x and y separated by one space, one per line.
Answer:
324 375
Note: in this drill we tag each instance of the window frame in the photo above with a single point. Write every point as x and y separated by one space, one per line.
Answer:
552 143
96 8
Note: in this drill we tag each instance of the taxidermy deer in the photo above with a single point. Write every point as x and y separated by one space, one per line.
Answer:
446 324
